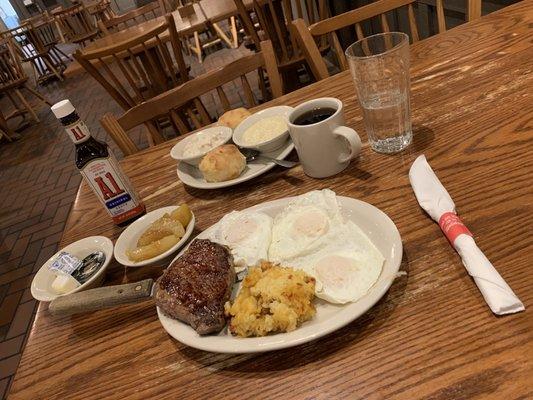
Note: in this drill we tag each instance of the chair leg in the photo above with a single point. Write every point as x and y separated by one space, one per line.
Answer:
38 95
52 68
56 49
56 59
234 32
198 46
5 135
27 105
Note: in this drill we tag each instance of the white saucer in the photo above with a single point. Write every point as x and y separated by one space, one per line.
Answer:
191 176
41 286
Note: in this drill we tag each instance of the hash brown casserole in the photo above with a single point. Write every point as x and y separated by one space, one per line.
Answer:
271 299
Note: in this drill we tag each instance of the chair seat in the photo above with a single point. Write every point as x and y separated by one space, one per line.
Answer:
84 37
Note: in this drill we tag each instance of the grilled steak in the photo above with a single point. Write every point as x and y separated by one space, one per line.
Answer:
196 286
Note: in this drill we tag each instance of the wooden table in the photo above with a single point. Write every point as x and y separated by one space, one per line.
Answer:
431 336
220 10
189 25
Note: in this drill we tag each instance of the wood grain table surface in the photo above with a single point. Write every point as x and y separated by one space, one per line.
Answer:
218 10
431 336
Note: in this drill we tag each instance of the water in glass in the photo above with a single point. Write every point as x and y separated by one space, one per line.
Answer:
380 70
387 121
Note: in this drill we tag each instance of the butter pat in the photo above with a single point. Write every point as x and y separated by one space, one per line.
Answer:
63 284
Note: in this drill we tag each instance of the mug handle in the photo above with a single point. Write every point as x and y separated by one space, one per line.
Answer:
353 139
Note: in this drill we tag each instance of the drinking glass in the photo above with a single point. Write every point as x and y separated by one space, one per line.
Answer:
380 70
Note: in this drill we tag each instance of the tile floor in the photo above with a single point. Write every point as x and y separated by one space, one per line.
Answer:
38 185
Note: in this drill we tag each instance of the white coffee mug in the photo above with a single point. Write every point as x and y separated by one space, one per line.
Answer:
325 148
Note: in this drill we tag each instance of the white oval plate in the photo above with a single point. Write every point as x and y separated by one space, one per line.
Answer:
41 286
129 237
191 176
329 317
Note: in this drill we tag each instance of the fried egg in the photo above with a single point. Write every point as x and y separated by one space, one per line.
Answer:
344 269
246 234
305 225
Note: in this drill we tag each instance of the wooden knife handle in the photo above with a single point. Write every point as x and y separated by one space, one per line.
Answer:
103 297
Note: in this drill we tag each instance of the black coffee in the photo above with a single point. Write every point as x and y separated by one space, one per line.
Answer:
314 116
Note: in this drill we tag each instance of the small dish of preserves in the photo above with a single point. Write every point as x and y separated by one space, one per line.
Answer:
265 130
78 266
155 236
194 147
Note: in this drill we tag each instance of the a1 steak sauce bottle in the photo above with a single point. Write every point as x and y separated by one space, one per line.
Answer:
100 168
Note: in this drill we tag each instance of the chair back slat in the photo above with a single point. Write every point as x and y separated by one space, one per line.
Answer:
248 93
358 31
176 104
412 23
384 22
441 19
226 105
141 67
474 10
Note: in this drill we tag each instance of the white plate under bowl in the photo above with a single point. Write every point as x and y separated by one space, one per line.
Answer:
177 151
269 145
41 286
192 176
129 237
329 317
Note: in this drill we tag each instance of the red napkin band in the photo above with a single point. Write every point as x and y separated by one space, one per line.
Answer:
452 226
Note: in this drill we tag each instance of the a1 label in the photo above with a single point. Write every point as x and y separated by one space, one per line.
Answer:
112 188
78 132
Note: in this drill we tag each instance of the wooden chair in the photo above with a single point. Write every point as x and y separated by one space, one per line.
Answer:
102 11
32 48
77 25
13 80
274 18
138 68
307 35
132 18
170 103
47 33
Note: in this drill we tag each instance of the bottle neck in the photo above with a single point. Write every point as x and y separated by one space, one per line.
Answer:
78 132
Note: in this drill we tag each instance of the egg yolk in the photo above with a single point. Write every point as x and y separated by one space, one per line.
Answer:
240 230
311 224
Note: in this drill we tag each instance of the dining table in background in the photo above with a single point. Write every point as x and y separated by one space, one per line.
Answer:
431 336
216 11
185 26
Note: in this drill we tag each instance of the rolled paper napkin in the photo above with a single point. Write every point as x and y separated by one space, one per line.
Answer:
436 201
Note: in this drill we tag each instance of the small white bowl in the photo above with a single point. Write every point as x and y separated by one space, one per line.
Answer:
41 286
177 151
269 145
129 237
